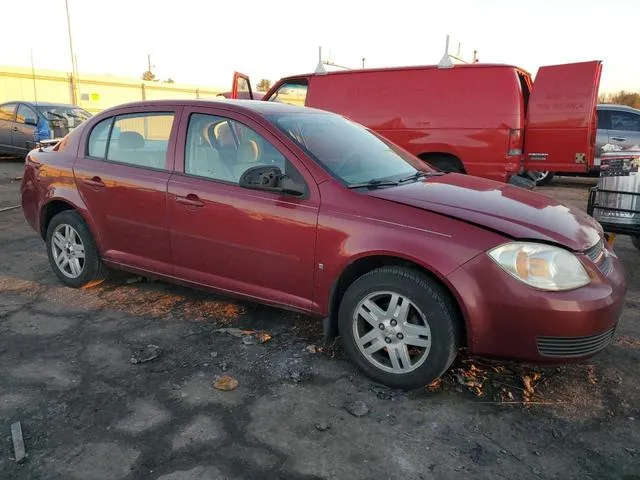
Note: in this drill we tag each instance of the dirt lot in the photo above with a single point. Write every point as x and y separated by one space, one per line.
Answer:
87 412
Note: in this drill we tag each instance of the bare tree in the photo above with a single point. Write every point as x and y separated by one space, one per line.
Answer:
263 85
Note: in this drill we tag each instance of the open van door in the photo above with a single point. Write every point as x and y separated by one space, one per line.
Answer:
241 88
560 133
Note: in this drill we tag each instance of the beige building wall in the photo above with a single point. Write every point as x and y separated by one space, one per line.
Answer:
94 92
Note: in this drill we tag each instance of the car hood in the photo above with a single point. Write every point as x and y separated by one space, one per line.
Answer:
512 211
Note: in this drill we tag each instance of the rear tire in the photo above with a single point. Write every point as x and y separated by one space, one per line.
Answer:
72 251
421 327
543 178
443 162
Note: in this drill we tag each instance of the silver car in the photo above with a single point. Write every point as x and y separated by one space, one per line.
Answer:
617 125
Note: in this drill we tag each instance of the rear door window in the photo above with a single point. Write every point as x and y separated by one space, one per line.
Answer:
97 145
7 111
141 139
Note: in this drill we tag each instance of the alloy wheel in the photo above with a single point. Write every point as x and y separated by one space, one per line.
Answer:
391 332
68 250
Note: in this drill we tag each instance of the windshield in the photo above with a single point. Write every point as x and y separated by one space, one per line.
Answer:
70 116
349 151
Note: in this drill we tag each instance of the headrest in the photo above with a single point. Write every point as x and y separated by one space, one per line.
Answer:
130 141
248 152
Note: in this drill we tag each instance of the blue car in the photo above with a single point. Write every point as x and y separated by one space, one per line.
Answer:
24 124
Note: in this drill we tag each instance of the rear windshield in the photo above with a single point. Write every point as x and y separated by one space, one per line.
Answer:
351 152
71 117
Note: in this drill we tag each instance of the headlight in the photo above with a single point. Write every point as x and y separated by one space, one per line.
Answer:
541 266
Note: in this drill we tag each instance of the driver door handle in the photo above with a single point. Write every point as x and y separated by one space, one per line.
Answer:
618 139
191 200
95 182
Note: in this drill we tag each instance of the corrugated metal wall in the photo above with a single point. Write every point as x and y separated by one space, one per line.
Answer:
94 93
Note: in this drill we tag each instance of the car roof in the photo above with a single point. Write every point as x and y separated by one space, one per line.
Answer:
43 104
613 106
259 107
408 68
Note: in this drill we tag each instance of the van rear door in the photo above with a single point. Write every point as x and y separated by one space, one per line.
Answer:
241 87
560 133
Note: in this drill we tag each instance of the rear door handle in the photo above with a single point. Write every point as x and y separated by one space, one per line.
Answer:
95 182
192 200
618 139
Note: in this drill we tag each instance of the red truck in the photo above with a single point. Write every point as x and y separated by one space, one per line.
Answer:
487 120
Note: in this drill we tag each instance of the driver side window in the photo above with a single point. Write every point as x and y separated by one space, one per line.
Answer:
223 149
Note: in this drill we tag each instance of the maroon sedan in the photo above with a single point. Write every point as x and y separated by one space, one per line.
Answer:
309 211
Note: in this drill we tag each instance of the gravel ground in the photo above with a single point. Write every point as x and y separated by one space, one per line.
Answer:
300 411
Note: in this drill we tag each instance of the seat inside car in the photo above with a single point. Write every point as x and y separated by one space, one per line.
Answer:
203 159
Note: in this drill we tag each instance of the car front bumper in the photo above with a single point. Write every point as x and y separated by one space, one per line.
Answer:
506 318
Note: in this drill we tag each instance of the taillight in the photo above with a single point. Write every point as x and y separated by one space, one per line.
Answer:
515 141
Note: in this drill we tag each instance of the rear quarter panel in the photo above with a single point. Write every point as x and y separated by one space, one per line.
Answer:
463 111
49 177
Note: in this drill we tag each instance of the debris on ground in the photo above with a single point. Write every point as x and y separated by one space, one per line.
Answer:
314 349
150 352
249 337
357 408
18 442
262 337
493 381
223 365
435 385
226 383
322 426
213 354
19 177
249 340
295 377
529 382
591 375
132 280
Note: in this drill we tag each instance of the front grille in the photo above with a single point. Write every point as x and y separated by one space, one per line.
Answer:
574 346
600 257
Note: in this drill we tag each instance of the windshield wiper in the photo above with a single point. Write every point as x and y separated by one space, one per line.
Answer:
419 174
374 183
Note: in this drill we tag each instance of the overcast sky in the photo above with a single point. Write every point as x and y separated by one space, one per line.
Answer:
204 41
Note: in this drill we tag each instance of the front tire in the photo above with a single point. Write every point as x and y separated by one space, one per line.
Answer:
400 327
72 251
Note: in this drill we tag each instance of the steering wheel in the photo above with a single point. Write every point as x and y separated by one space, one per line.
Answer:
345 161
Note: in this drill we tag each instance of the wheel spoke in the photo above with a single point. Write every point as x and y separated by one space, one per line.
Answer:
371 313
58 240
368 337
393 356
403 353
67 233
401 311
61 259
416 341
75 266
413 330
376 344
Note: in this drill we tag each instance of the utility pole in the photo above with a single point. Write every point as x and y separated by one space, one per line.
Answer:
149 63
74 73
363 59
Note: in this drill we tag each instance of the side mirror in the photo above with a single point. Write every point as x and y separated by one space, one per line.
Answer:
270 178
